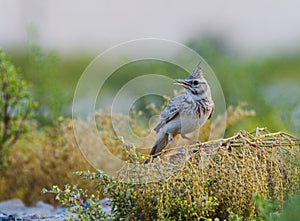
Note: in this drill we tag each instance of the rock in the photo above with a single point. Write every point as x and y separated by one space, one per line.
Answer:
42 211
36 217
43 205
14 207
105 205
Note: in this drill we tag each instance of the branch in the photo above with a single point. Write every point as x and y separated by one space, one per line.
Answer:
6 116
18 133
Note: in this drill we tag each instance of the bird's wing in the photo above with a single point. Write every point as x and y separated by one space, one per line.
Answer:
212 111
169 112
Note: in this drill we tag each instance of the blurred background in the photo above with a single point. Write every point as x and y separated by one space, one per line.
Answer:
253 47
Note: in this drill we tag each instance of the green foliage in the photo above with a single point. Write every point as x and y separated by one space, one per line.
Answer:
16 106
290 210
267 83
53 79
41 67
86 206
275 211
267 210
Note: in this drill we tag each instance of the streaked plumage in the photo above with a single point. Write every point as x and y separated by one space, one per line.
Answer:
185 113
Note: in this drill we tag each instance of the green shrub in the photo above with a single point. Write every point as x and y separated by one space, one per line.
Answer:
274 211
16 106
214 183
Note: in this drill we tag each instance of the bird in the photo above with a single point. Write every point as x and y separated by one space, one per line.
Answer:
185 113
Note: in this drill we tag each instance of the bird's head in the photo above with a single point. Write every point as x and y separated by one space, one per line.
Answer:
195 84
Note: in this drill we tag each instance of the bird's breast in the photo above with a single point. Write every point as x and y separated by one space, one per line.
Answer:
193 116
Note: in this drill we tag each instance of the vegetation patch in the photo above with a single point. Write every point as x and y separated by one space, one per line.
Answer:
216 180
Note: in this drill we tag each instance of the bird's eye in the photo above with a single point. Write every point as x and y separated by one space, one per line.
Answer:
195 83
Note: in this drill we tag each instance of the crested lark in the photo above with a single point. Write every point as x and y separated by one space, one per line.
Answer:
185 113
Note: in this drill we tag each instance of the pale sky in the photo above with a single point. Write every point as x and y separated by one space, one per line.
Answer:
69 26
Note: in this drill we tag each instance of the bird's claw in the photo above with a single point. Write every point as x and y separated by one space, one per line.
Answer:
198 143
181 150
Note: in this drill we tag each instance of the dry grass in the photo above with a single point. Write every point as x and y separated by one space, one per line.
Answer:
212 179
41 159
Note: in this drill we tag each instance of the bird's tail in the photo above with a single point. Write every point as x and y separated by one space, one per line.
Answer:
161 142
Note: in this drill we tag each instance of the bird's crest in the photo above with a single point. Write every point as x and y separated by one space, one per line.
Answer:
197 72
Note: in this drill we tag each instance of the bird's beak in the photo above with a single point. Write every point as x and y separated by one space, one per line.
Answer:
182 83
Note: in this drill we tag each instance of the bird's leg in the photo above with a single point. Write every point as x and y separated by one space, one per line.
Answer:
171 141
190 139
